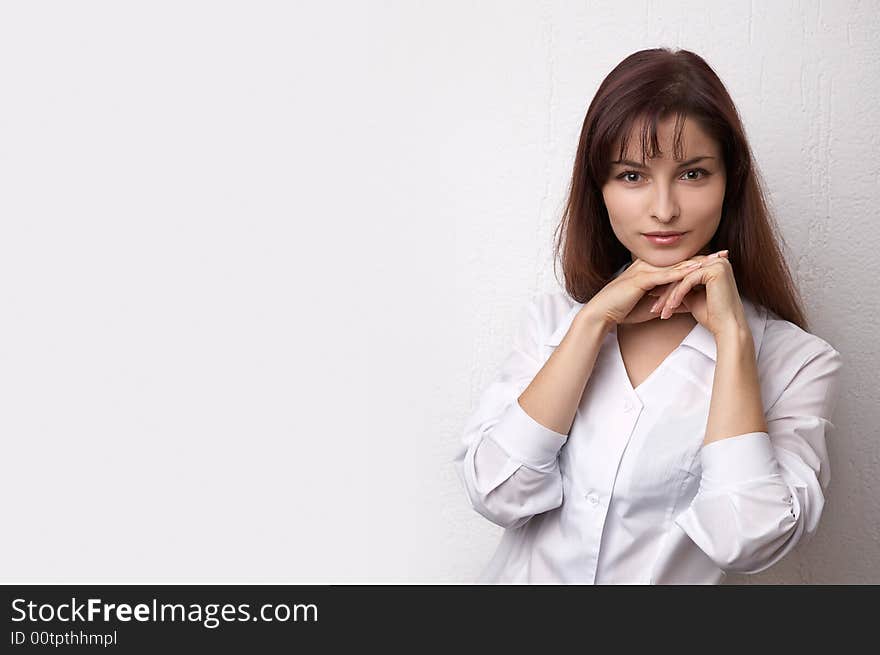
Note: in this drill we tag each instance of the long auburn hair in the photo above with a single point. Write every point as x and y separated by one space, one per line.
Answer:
653 84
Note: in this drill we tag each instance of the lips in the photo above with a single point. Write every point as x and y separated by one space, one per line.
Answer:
664 239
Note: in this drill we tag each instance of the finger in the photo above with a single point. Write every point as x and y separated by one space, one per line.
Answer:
672 302
650 268
652 279
658 291
682 289
690 260
683 305
687 267
661 301
663 292
664 299
721 254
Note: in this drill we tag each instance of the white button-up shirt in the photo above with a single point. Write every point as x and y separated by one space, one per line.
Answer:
631 495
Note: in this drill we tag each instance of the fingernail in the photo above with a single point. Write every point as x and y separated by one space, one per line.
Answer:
654 307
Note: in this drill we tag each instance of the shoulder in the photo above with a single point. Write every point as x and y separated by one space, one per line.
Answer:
787 349
551 306
547 311
785 341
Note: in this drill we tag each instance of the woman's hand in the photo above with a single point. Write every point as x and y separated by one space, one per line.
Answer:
716 305
624 300
662 292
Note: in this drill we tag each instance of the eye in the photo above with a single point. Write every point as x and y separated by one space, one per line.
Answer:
703 171
625 173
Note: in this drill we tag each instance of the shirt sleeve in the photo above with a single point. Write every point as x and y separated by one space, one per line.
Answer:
507 461
762 493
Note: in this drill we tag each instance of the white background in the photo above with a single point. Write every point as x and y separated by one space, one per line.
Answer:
258 259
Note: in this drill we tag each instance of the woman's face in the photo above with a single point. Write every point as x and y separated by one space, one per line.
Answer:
667 196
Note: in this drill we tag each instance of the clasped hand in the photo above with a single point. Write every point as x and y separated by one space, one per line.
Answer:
708 292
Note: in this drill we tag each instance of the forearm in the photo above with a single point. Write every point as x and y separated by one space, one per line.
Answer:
736 406
553 396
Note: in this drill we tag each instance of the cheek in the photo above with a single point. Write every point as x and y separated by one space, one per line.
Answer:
623 228
717 197
707 204
620 205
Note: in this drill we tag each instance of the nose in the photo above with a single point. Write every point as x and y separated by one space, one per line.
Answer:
664 204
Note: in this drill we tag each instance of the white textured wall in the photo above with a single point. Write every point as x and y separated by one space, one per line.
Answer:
806 79
258 259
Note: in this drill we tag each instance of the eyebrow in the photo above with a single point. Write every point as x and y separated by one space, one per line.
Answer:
628 162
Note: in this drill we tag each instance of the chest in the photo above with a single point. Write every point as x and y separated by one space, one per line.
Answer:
645 346
634 446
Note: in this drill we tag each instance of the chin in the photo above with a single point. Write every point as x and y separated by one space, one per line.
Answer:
668 258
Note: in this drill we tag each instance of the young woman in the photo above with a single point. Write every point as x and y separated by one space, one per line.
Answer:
665 420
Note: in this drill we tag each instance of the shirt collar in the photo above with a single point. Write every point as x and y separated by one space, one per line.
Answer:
699 338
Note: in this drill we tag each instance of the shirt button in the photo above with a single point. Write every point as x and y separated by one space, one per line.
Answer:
593 498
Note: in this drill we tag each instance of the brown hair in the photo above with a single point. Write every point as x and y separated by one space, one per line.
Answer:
653 84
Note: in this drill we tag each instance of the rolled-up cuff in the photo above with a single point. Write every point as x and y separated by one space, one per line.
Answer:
526 440
737 459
